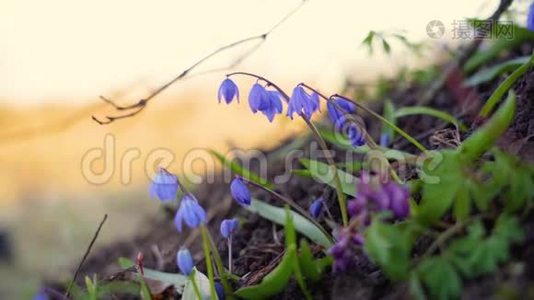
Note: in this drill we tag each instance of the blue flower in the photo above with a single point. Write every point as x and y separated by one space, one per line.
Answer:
184 260
355 135
273 105
530 18
257 98
41 295
164 186
335 114
220 290
190 211
228 90
316 208
302 103
229 227
240 191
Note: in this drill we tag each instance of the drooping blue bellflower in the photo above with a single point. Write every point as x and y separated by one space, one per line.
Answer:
302 103
164 186
257 98
316 208
228 91
530 18
229 227
240 191
272 105
337 108
190 212
184 261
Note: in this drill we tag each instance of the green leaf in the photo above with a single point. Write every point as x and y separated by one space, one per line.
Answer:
389 247
482 139
291 243
118 287
302 225
493 72
239 170
203 285
386 47
178 280
504 87
423 110
389 114
442 281
480 58
274 282
322 172
477 254
438 197
310 269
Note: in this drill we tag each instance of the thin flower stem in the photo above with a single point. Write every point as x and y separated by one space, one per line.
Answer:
220 267
384 120
368 138
195 285
230 254
341 198
293 204
209 266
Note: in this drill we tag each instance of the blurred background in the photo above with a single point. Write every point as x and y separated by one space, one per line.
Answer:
58 56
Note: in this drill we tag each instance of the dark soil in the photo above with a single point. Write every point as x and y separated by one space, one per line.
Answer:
259 244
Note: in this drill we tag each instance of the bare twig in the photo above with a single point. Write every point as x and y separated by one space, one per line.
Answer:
139 106
95 236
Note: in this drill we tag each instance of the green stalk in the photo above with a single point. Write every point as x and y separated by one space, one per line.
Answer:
385 121
220 267
206 247
195 286
341 198
504 87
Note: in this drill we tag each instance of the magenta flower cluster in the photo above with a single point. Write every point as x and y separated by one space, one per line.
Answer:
370 199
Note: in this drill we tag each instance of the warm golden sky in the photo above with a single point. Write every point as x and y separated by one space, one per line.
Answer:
65 50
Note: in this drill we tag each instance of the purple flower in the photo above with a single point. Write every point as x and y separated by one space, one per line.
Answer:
184 261
257 98
348 240
530 18
302 103
399 202
240 191
229 227
191 212
356 205
164 186
228 90
272 105
316 208
335 114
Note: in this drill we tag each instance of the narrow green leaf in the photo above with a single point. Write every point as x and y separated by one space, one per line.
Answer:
423 110
504 87
178 280
482 139
274 282
493 72
322 172
238 169
308 266
302 225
